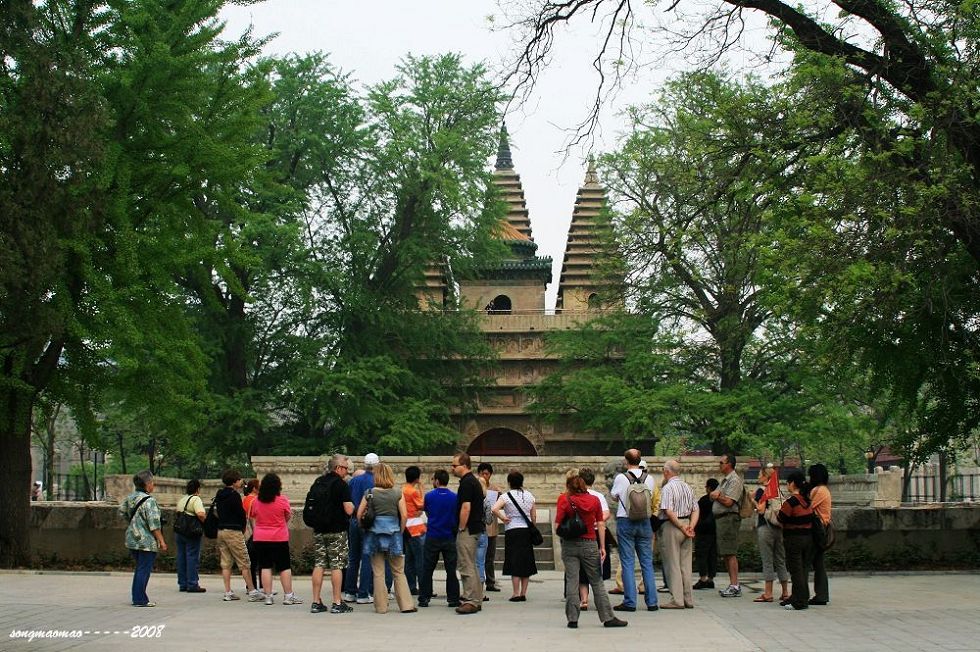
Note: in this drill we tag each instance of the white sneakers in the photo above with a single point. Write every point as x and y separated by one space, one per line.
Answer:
291 598
230 595
255 596
367 600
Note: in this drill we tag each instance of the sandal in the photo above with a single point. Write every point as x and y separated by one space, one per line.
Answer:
763 598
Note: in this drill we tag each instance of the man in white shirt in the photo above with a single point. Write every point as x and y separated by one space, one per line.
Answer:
634 535
679 511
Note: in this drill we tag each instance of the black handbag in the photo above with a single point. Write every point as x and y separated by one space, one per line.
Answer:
187 524
824 536
572 526
536 537
210 526
367 518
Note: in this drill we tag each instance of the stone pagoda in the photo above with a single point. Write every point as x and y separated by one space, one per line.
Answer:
510 294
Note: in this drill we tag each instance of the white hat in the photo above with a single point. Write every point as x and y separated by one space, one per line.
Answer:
643 464
37 482
371 459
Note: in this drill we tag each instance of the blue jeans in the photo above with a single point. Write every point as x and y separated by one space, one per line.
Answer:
481 557
413 560
355 543
141 576
188 561
359 565
635 539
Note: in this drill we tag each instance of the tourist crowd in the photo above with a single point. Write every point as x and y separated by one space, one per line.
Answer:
377 541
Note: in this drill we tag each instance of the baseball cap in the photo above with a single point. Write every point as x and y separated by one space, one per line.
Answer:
643 464
371 459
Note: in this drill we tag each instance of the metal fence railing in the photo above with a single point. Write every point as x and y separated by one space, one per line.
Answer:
962 486
74 487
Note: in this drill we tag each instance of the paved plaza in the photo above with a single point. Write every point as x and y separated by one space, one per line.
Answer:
881 612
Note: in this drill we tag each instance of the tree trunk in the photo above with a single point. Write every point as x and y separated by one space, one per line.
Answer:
15 469
122 451
943 473
81 459
49 445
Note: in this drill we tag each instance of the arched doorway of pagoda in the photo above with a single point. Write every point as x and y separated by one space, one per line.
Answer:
502 441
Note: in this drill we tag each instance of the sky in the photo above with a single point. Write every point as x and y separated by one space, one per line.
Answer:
368 38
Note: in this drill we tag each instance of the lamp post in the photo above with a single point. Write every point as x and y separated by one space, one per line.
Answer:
870 456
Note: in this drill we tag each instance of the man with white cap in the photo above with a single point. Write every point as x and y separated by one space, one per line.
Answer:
359 578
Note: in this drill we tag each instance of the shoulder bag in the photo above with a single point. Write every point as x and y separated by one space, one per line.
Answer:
210 526
187 524
536 537
367 518
572 526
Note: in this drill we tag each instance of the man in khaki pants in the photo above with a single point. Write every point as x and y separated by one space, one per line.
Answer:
469 502
679 511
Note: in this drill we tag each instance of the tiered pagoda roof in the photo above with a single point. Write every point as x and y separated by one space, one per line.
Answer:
508 184
586 246
515 227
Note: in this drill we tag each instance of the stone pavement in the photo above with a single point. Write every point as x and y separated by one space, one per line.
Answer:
881 612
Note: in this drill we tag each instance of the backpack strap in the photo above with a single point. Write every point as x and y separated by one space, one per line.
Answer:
632 479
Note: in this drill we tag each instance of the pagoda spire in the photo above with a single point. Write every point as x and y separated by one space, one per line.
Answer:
504 160
585 274
508 184
591 176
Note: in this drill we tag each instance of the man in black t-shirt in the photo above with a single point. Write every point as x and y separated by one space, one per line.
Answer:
469 501
330 541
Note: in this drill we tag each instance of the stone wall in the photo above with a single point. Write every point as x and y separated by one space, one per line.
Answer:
543 476
63 534
73 532
168 490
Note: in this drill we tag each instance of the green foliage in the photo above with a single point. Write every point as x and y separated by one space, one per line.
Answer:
115 115
412 191
708 357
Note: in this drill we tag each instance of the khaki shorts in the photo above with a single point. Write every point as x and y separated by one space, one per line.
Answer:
231 546
726 532
330 550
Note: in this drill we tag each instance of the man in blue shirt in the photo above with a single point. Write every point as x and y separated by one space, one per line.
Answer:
359 564
440 508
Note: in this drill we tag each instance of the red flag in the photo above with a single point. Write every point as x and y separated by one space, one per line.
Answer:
772 486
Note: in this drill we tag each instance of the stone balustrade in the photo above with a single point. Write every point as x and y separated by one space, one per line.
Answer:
544 476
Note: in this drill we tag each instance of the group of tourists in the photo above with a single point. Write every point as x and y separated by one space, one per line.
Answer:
793 530
379 542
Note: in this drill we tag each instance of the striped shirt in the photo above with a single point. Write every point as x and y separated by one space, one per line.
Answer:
795 515
678 497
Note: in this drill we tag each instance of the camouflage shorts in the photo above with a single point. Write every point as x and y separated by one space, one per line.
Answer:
330 550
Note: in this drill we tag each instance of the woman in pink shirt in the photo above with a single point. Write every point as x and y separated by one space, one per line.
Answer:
270 515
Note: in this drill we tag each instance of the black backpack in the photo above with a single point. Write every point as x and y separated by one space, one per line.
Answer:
315 509
210 525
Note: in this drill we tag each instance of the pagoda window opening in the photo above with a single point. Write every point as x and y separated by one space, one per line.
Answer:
500 305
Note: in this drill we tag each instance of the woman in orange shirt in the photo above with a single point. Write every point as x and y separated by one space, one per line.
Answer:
820 501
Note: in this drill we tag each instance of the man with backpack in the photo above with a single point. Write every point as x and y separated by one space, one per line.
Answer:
327 510
633 492
727 500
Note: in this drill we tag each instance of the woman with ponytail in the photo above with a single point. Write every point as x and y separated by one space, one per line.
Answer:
796 517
